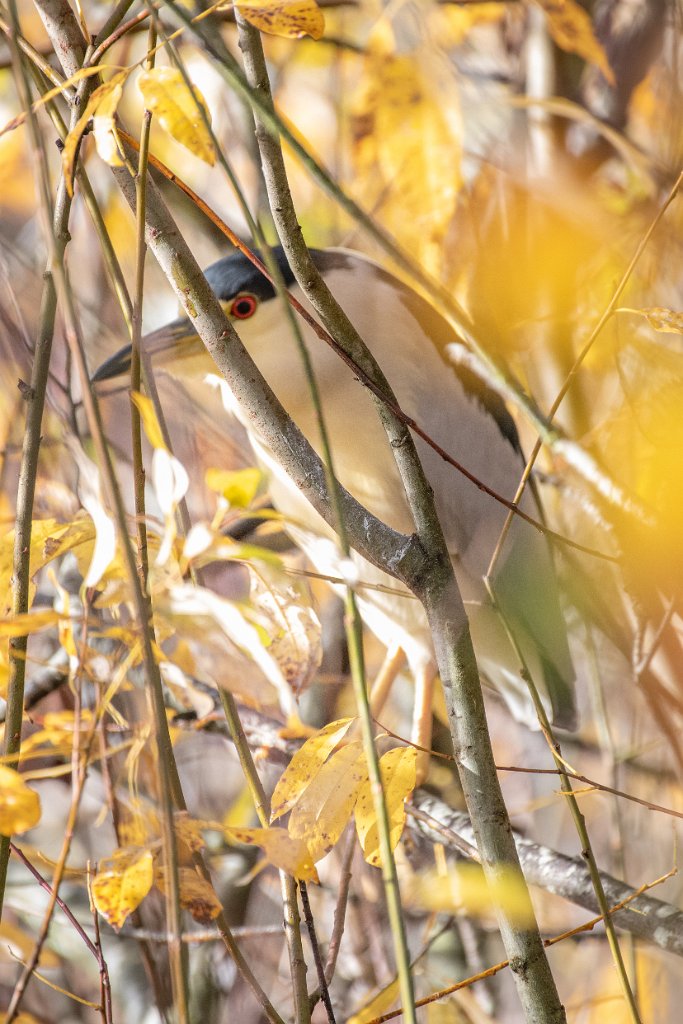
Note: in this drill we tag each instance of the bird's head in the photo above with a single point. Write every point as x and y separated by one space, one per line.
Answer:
247 298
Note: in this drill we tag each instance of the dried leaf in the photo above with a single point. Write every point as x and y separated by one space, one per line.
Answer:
667 321
294 630
571 28
290 18
323 811
19 805
305 765
398 781
196 894
168 97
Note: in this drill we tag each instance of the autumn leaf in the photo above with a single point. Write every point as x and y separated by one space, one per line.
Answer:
289 853
196 894
465 887
294 630
121 884
104 127
398 781
177 109
28 622
238 486
304 766
290 18
109 94
571 28
19 805
148 416
323 811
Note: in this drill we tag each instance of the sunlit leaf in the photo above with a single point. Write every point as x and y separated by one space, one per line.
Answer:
398 781
406 149
194 611
170 100
571 28
295 633
19 805
465 888
305 765
148 416
324 809
239 487
121 883
104 125
289 18
28 622
383 1001
102 93
280 848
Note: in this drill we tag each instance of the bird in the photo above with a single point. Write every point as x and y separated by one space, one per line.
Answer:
458 409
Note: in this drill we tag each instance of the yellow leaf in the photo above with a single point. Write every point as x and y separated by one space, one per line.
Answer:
398 781
71 144
572 29
406 147
14 942
189 831
290 18
28 622
305 765
284 851
168 97
19 805
383 1001
323 811
59 90
238 486
121 884
196 894
104 125
150 423
465 887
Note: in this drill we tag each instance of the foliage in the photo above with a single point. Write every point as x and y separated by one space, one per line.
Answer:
546 206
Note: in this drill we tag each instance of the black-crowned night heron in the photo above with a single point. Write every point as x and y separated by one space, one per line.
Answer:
456 409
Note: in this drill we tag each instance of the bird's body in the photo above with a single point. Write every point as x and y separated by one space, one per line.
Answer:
459 412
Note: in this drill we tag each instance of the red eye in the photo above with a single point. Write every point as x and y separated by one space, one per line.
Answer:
243 307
